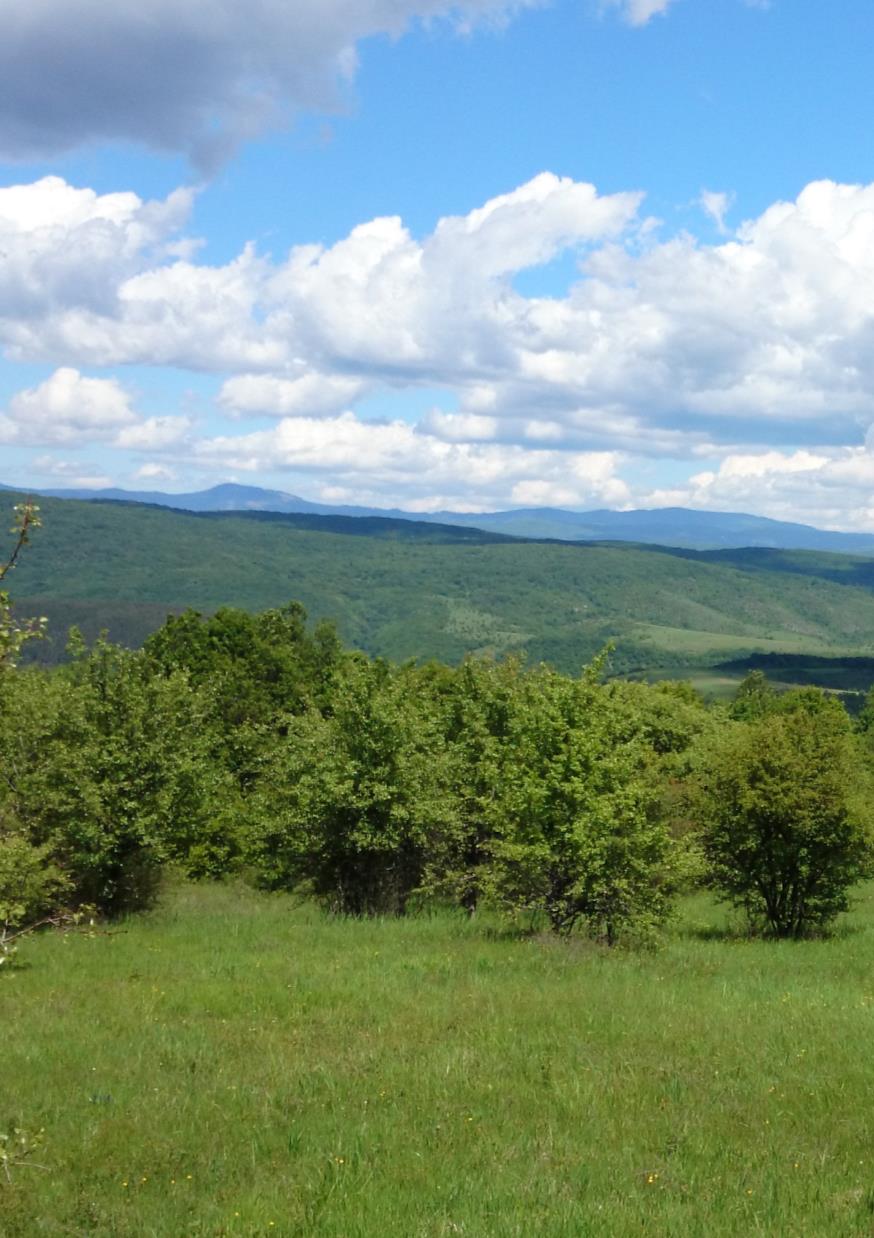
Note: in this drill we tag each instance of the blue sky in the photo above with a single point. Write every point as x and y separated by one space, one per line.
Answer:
434 255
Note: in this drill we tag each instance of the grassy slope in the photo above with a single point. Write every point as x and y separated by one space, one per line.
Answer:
237 1065
407 598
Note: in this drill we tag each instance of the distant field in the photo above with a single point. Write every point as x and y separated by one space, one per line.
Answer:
717 646
235 1064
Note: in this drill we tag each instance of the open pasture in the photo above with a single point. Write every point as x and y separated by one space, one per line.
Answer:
238 1064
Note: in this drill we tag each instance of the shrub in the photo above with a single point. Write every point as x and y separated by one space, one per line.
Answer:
30 885
348 805
784 834
106 772
577 834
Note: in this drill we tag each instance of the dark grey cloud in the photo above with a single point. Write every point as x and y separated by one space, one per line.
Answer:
191 76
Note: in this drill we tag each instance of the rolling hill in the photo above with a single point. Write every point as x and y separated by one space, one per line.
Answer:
417 590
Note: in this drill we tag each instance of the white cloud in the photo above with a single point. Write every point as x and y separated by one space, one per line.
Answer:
459 427
62 247
72 473
154 472
311 395
716 205
638 12
659 346
380 299
197 76
155 434
400 462
67 408
829 488
71 410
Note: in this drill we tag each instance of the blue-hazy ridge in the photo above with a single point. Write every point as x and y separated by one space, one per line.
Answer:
669 526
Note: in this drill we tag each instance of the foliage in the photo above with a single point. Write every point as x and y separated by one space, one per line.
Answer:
577 836
784 831
754 698
236 738
865 719
350 803
13 633
107 771
256 670
30 884
477 708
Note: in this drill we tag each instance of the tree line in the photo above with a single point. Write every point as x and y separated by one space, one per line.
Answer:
259 745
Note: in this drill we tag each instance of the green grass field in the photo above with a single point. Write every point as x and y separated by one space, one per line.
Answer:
237 1064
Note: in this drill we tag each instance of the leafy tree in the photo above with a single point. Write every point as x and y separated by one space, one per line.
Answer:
577 836
30 885
865 718
477 707
106 769
349 804
754 698
783 830
258 670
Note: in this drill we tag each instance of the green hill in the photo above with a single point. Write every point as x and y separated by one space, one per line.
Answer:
403 589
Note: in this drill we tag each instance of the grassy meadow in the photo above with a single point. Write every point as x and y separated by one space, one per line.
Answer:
239 1064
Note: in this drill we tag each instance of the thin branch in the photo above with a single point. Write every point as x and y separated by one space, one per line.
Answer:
27 518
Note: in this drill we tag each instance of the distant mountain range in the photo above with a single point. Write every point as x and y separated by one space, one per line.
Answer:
667 526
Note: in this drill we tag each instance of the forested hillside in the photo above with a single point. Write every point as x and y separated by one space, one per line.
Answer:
404 590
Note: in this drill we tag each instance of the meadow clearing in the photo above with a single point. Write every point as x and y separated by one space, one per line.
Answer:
236 1063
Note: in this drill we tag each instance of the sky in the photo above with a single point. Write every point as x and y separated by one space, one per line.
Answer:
439 255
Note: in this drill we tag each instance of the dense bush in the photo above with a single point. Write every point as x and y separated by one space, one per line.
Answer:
576 832
785 826
477 706
350 804
106 770
30 884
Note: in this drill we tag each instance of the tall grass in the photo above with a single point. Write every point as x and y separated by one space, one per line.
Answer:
237 1064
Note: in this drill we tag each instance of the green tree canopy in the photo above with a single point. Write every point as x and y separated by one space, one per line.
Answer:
784 831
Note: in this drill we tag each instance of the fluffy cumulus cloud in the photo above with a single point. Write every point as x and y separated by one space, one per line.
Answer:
396 458
155 434
660 345
831 488
85 71
64 247
377 302
73 411
67 408
310 395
